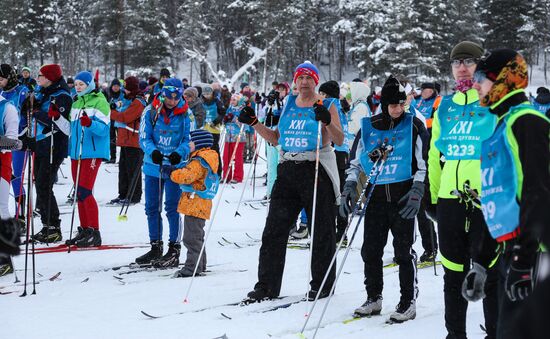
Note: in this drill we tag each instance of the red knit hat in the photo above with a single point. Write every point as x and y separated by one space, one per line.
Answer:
51 72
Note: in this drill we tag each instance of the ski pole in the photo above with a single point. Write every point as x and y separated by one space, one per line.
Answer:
62 174
254 170
361 215
313 209
50 179
74 202
355 211
122 215
31 198
212 218
246 180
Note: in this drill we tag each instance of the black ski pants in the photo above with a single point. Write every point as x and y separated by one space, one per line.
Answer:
341 162
44 176
426 228
464 237
129 165
292 191
380 218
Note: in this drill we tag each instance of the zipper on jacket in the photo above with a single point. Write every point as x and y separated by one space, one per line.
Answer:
458 164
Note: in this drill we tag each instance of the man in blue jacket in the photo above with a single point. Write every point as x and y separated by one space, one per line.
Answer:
164 138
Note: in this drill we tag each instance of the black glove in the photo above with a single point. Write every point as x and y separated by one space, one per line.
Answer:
322 114
519 278
174 158
473 287
113 105
218 120
375 154
412 201
28 143
257 98
248 116
157 157
348 199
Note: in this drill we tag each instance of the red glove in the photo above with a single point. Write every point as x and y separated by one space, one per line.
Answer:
53 111
85 120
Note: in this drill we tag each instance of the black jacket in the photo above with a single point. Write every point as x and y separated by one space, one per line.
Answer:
532 135
419 149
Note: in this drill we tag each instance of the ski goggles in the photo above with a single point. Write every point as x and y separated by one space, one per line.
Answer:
468 62
172 92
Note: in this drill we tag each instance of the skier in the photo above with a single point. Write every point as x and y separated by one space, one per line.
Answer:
429 101
395 200
515 185
9 127
89 144
331 89
542 101
17 94
214 117
199 184
164 138
359 106
115 98
191 96
294 186
126 118
52 109
460 125
27 80
233 172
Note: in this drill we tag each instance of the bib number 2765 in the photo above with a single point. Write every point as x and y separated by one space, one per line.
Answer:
296 142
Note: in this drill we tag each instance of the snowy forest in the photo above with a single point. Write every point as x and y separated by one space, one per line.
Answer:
213 39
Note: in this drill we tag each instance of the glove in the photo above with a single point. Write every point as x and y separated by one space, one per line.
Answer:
174 158
53 111
412 201
248 116
217 121
375 155
519 278
157 157
85 120
113 105
473 287
348 199
228 117
322 114
257 98
28 143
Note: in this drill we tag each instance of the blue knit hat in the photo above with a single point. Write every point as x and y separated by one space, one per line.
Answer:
87 78
173 88
202 139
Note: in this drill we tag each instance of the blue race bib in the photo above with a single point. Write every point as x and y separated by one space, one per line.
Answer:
298 127
398 164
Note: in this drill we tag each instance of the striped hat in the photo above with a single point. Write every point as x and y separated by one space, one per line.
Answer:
202 139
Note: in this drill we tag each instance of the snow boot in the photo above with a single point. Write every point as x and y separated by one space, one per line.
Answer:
90 238
185 272
373 306
115 202
79 235
171 258
154 254
6 266
403 312
300 233
428 256
48 235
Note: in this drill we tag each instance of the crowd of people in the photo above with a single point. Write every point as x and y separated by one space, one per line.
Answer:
475 161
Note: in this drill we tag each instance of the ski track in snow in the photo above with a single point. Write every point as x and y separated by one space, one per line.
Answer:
90 303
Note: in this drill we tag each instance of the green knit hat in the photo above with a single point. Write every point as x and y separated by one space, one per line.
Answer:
465 50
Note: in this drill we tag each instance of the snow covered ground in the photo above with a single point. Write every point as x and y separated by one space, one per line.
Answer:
90 303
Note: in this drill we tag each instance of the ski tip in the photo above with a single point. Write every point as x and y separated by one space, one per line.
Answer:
148 315
226 316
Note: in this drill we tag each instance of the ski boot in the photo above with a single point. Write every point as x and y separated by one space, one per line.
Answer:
171 258
185 272
6 266
403 312
79 235
312 294
257 296
373 306
428 256
154 254
91 238
48 235
115 202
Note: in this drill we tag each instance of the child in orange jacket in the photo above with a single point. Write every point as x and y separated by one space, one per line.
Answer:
199 184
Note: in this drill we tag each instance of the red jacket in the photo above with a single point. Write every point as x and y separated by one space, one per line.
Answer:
128 136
